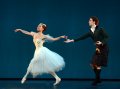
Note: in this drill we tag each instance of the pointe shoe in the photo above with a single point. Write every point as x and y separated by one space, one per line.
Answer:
57 81
23 80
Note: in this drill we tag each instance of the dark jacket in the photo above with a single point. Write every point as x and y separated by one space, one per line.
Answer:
98 35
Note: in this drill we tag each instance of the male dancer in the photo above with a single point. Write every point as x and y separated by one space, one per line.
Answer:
100 38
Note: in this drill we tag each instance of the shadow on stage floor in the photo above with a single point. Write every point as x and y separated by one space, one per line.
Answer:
65 84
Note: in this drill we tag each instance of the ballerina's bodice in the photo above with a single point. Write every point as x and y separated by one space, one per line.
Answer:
38 42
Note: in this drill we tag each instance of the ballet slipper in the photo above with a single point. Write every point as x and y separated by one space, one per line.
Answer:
23 80
57 81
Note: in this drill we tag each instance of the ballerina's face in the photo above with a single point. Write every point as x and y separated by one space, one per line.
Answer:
40 28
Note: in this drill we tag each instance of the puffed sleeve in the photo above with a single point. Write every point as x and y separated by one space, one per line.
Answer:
32 33
48 38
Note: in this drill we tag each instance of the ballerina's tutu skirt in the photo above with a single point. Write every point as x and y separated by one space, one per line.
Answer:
45 61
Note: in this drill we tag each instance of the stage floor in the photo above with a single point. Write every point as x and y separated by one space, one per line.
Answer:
65 84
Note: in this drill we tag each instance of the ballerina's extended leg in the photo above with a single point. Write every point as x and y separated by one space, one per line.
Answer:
24 78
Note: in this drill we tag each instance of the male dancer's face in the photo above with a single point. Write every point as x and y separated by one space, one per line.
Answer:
91 22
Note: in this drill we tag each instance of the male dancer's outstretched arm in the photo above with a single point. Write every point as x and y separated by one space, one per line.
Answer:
78 39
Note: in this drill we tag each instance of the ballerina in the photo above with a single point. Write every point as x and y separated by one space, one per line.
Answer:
44 60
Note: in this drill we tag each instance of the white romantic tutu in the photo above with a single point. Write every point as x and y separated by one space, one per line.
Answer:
45 61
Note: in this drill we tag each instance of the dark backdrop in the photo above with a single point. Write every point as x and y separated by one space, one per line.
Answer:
63 17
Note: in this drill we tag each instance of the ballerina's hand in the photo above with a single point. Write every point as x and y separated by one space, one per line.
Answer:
68 41
64 37
16 30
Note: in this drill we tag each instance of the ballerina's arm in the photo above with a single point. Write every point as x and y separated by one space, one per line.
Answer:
25 32
50 38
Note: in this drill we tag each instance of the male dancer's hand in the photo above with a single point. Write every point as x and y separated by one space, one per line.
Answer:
98 42
68 41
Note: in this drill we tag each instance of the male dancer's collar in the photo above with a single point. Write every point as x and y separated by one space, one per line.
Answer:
93 29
